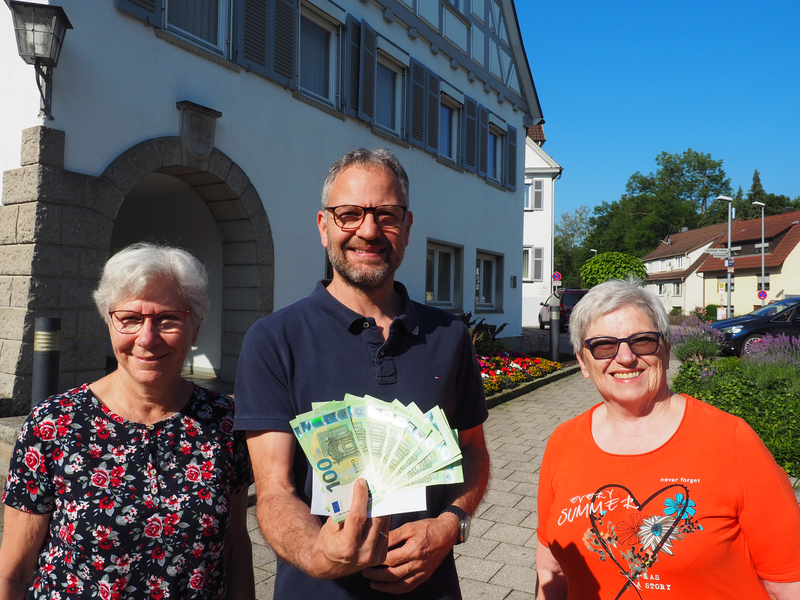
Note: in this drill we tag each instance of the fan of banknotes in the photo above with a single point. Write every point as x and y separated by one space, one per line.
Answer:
394 447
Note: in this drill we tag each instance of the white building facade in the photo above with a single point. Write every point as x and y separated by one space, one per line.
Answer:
211 125
541 173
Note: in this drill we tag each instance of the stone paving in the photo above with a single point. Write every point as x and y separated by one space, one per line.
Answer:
497 562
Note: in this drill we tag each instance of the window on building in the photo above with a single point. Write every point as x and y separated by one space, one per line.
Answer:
319 57
678 262
201 21
449 127
389 86
766 282
677 289
759 248
534 195
488 278
662 289
533 264
494 153
443 267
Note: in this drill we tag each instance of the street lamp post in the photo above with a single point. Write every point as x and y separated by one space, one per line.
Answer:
593 250
729 200
763 283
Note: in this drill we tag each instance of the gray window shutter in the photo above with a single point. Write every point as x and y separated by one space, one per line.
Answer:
283 28
469 136
416 104
511 159
146 10
351 65
433 100
483 140
251 35
367 66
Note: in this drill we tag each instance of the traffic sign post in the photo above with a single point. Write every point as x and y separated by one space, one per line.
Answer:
556 276
762 295
718 252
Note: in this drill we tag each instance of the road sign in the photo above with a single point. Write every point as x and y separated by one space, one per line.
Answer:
718 252
762 295
556 284
721 287
556 276
730 262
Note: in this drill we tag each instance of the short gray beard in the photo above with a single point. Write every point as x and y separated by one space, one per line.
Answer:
366 281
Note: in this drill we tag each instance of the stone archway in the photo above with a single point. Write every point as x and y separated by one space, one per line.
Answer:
55 235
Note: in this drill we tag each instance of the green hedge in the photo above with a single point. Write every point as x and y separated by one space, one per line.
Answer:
771 408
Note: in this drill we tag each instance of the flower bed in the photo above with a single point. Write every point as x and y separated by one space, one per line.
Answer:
505 370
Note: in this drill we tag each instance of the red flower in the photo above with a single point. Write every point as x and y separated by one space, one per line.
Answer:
226 425
204 494
46 431
106 503
193 473
197 579
158 553
32 487
154 527
34 460
100 478
57 454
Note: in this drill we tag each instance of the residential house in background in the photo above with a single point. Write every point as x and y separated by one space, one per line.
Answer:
541 173
781 263
672 267
684 275
211 125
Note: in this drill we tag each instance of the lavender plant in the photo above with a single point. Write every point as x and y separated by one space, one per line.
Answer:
774 361
696 340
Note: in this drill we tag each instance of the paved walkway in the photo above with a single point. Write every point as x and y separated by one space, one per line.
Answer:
497 562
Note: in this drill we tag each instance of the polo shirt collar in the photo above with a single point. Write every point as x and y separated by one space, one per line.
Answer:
323 300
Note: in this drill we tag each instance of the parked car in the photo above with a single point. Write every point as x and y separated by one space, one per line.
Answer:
743 333
566 301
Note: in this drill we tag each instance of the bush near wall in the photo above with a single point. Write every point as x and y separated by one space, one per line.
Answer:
762 391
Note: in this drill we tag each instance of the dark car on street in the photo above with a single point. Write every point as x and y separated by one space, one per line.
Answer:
566 301
743 333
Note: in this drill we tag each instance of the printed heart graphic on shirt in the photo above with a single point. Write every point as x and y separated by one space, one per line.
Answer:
631 578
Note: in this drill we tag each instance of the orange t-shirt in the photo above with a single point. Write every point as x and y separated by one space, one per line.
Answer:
706 515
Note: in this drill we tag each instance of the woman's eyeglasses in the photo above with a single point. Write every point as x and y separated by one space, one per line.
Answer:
641 344
168 321
350 217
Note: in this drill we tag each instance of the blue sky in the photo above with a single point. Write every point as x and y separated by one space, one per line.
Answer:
619 82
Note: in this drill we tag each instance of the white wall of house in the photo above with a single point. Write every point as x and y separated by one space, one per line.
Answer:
538 230
117 84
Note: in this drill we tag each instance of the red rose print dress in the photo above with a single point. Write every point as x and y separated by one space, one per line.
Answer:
138 511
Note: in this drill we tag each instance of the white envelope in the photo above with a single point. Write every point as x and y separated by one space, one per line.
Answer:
401 501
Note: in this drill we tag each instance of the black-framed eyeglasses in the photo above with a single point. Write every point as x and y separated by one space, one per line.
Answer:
641 344
129 321
350 217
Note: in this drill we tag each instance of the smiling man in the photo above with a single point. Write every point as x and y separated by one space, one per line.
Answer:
360 333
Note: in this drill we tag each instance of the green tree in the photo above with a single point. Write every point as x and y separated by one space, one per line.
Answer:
675 196
569 246
612 265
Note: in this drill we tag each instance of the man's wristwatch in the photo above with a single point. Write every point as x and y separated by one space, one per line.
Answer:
463 530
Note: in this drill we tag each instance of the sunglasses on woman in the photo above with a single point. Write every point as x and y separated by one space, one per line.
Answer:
641 344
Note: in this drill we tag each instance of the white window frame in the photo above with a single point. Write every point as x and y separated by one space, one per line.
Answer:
759 248
400 71
662 289
223 29
678 262
530 259
495 285
534 198
431 295
766 282
677 288
334 29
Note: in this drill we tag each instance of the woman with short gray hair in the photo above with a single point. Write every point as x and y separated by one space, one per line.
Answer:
135 485
653 494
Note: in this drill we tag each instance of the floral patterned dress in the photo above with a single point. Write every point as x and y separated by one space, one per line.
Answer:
138 511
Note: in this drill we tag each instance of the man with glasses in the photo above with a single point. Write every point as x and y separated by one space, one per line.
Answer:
360 333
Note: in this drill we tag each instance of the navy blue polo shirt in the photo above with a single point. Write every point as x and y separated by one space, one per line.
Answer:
317 350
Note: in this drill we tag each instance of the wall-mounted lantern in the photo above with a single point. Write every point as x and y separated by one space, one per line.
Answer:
40 31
